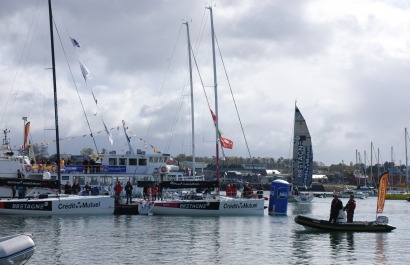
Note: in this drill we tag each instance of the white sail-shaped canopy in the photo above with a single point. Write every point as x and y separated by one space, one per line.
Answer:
302 152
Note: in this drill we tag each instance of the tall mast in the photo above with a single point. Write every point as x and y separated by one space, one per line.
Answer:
192 100
55 93
216 97
371 163
378 164
365 167
407 168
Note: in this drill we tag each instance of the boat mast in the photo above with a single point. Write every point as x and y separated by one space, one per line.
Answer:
192 100
378 164
365 167
371 163
55 94
407 168
216 98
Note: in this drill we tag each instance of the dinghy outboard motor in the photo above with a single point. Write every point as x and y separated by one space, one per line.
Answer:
382 219
278 198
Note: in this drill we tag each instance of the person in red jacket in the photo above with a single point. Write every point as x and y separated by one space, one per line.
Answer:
228 190
234 190
118 190
155 192
349 208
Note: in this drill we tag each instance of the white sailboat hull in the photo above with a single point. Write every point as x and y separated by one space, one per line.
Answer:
214 207
58 205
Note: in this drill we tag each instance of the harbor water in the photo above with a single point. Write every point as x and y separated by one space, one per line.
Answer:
214 240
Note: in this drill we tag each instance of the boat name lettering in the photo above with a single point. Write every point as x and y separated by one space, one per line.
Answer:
303 160
240 205
28 206
193 205
79 205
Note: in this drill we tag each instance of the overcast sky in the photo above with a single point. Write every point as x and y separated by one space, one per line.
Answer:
346 63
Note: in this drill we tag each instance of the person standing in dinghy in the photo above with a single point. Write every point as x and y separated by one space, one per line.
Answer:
349 208
335 208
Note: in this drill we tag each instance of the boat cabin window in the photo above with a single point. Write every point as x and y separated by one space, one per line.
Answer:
161 160
134 181
151 159
81 180
106 180
155 159
132 161
123 161
65 178
112 161
93 181
142 161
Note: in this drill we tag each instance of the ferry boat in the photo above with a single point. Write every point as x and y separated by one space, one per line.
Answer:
137 167
140 169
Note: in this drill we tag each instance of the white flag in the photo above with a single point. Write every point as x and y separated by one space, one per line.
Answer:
84 70
108 133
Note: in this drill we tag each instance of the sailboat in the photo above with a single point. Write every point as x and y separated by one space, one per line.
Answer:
212 204
302 162
381 224
51 204
400 191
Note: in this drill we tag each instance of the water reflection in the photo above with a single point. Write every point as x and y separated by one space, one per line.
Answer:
350 241
380 255
302 247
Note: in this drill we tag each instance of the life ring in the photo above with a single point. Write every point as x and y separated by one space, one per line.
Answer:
53 169
28 168
40 168
164 169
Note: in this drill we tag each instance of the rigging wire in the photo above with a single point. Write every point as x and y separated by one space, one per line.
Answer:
10 96
178 110
75 85
234 101
162 87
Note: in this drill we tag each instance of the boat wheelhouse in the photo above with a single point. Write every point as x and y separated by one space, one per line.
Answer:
139 169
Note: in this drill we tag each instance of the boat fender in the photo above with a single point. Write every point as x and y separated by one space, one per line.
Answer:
342 217
28 168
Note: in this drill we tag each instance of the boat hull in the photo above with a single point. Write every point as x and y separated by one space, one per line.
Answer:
397 196
58 205
300 198
16 249
217 207
360 226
